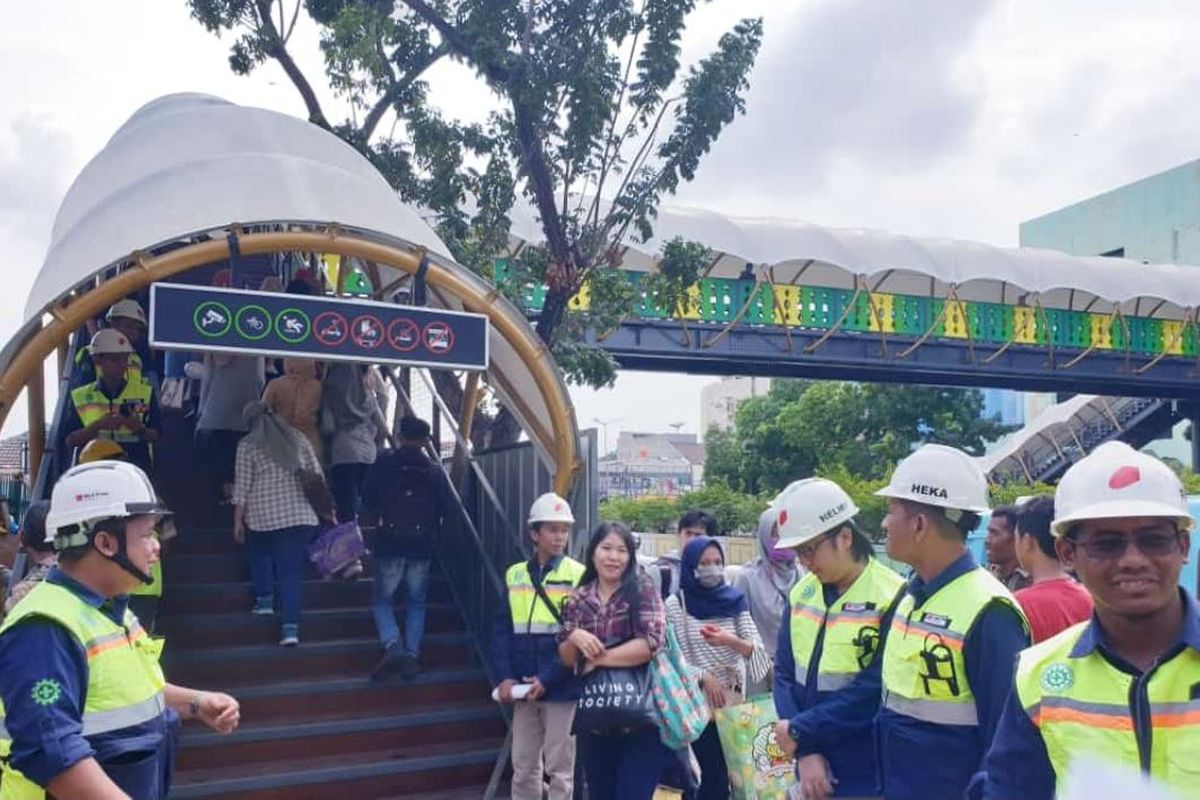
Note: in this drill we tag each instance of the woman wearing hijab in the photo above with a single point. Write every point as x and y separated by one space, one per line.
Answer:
271 513
296 398
355 424
716 632
766 582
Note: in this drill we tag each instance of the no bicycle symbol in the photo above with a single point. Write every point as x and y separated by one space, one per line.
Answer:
439 338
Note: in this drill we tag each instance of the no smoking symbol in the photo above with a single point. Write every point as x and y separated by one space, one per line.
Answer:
439 338
404 334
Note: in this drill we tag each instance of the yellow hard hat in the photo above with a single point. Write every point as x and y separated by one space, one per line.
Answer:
101 450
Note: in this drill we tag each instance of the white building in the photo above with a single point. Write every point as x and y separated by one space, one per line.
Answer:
719 401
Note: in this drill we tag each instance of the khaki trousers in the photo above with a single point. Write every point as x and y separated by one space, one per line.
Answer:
542 735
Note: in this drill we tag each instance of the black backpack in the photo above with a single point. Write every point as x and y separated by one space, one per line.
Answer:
410 507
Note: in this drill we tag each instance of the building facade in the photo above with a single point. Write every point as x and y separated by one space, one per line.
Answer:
652 465
719 400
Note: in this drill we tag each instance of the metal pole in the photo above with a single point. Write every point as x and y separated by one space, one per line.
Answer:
1196 442
35 395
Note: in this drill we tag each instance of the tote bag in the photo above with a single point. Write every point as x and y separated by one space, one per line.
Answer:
682 708
758 767
336 548
615 698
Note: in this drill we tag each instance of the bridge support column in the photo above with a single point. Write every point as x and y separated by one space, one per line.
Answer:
1196 441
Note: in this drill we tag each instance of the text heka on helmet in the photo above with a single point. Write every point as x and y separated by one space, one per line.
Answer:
925 490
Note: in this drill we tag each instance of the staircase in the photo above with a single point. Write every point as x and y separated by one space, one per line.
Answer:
313 724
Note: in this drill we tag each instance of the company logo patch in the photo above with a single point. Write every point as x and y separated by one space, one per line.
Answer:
858 606
1057 677
809 591
925 490
1123 477
783 517
79 498
936 620
46 692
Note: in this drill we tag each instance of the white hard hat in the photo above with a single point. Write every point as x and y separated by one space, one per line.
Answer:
89 493
550 508
808 508
941 476
108 342
128 309
1115 480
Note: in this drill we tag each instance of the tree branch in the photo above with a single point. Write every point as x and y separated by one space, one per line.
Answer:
397 87
538 172
276 49
448 32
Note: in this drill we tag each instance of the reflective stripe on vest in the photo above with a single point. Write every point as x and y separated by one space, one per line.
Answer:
92 405
924 673
529 614
851 624
1086 706
125 682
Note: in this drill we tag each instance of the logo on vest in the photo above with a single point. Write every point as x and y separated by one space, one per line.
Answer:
925 490
1057 677
936 620
809 591
46 692
855 607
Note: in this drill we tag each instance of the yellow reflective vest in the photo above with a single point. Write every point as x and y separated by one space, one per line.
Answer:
924 674
530 615
851 624
92 405
1083 705
125 682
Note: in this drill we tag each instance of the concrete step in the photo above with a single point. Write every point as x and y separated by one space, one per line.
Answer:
198 598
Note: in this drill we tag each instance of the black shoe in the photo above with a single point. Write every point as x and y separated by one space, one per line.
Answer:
409 668
392 660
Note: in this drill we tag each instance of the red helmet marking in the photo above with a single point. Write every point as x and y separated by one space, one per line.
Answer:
1123 477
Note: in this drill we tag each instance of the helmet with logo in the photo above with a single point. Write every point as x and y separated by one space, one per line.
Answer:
110 342
100 450
126 309
941 476
550 508
808 508
90 493
1114 480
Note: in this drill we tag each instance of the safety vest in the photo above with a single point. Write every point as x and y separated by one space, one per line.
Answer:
133 372
92 405
1086 706
125 681
530 615
924 674
851 624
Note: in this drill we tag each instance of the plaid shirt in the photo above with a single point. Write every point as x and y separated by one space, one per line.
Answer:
273 496
610 622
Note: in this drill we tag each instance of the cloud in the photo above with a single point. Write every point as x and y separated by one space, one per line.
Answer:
34 156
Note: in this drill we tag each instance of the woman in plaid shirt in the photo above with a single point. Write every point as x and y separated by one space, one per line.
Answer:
615 619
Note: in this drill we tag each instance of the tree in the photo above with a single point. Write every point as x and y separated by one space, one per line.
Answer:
596 122
819 428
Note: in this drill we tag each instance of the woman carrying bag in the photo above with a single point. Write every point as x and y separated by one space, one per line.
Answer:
612 628
712 622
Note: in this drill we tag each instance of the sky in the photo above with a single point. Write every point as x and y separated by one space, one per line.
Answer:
943 118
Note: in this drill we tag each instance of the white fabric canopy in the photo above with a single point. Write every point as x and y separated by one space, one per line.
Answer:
1055 419
799 252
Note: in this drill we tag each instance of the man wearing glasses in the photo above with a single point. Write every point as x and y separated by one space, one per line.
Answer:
1122 689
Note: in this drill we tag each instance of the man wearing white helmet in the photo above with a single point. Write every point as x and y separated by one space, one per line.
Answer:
829 635
1124 687
86 710
525 652
127 318
114 406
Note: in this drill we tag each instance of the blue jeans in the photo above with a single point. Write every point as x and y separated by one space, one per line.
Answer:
623 767
279 556
389 573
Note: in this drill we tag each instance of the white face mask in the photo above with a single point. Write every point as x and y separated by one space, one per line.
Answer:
711 576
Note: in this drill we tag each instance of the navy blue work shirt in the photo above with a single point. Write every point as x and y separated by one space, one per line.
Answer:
917 759
47 738
1018 766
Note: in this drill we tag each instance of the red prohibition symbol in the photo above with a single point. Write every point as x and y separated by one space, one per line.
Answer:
367 331
330 328
439 338
404 334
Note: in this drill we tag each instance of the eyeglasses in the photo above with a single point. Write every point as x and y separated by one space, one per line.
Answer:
1153 543
807 551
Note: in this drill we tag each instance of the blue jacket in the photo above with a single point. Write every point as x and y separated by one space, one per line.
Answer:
916 759
850 749
517 656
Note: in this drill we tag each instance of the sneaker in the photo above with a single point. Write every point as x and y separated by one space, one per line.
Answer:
392 660
291 636
264 606
409 666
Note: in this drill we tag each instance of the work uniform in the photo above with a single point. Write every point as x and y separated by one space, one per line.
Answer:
92 402
825 641
524 645
85 369
1075 697
81 679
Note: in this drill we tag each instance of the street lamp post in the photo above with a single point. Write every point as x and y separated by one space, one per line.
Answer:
604 423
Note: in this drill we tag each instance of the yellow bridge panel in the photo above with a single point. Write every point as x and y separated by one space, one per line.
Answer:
1025 325
882 310
1102 331
787 305
582 300
1172 337
690 308
956 319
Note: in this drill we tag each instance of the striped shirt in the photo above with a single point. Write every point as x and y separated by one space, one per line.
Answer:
727 665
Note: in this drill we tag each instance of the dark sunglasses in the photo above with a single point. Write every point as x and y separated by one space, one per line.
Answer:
1153 543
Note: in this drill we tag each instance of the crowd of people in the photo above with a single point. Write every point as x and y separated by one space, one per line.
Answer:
944 683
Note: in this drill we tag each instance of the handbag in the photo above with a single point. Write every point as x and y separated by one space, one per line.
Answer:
615 699
316 492
758 767
682 707
336 548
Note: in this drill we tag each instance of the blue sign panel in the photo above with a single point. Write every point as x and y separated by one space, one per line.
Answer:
325 328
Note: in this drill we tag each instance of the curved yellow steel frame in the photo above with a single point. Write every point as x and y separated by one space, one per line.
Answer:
26 363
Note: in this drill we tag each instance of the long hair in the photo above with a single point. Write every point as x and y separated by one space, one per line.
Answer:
630 587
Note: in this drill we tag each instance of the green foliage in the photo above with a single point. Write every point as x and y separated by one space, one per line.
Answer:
737 513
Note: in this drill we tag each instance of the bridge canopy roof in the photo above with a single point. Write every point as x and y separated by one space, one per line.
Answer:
795 252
